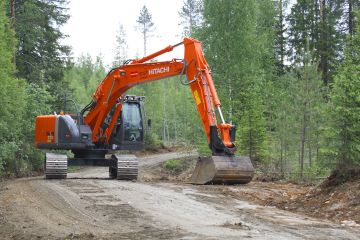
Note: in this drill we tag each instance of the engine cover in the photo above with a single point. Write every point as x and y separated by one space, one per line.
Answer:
61 132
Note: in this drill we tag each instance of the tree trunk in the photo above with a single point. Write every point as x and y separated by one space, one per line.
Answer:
309 140
250 139
144 39
282 47
351 18
302 147
190 24
12 19
12 10
286 146
281 157
317 145
164 111
230 101
309 148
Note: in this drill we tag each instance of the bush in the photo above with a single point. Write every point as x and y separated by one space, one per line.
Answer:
310 174
203 148
152 141
175 165
340 176
8 156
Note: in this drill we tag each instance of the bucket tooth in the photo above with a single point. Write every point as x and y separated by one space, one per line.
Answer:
223 170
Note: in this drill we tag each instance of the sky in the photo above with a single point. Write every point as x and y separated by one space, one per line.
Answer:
93 25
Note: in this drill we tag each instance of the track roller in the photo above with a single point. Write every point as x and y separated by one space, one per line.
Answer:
55 166
124 167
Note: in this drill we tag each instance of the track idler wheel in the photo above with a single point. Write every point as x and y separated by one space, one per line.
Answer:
223 170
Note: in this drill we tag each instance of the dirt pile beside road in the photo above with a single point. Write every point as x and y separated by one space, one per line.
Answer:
337 198
336 202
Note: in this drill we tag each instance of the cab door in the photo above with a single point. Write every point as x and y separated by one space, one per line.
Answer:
129 134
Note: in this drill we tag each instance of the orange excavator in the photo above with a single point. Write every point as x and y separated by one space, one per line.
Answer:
114 121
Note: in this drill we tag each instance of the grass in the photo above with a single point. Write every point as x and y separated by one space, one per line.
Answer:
72 169
175 165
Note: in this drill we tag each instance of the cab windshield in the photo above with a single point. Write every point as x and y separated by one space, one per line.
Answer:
132 122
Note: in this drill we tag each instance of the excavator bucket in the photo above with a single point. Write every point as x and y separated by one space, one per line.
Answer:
223 170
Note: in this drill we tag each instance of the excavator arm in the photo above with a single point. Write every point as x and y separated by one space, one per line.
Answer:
199 79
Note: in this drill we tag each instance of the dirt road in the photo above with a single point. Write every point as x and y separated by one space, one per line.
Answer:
94 208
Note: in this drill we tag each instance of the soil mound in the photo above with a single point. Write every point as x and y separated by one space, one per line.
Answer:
165 172
340 176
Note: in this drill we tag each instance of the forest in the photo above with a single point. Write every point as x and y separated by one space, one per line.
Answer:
287 74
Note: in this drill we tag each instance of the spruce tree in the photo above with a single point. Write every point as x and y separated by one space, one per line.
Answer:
323 23
346 105
280 41
307 100
145 25
238 46
40 56
12 99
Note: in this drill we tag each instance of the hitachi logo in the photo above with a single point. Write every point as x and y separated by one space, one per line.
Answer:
159 70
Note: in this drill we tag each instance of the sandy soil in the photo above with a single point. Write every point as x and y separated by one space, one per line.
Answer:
97 208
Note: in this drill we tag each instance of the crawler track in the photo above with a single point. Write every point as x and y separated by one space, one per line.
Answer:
124 167
56 166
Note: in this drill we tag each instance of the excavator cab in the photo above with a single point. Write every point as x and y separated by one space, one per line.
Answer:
128 132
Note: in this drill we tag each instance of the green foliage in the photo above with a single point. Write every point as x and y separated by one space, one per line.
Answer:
323 22
312 173
40 56
73 169
120 47
203 147
346 106
308 97
22 100
190 14
172 111
152 141
11 89
84 77
238 45
175 165
38 102
280 40
296 118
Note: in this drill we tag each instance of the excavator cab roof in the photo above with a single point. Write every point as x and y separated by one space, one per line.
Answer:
132 98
